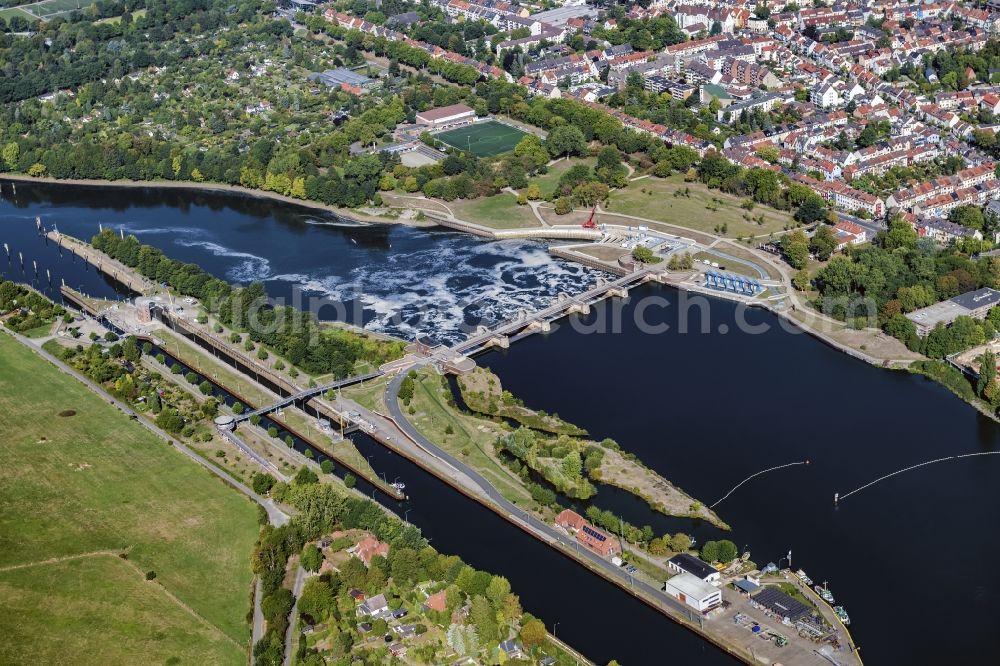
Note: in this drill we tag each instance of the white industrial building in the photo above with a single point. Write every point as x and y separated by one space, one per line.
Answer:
693 592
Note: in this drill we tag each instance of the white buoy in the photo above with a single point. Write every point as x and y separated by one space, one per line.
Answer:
6 249
20 258
121 232
34 264
836 497
100 227
48 275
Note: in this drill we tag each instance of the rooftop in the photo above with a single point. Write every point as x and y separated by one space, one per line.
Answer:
692 586
780 603
693 565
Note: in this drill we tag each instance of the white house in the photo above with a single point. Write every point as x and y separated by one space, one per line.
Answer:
824 96
684 563
693 592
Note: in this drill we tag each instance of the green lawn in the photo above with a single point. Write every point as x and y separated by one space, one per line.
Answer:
470 439
100 610
93 480
547 182
693 211
483 139
9 12
499 212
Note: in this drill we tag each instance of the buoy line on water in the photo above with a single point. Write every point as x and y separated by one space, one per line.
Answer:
763 471
839 497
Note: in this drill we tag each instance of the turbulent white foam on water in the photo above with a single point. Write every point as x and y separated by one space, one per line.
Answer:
253 267
338 223
450 288
140 231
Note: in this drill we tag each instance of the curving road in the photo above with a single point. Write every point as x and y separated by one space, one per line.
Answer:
527 521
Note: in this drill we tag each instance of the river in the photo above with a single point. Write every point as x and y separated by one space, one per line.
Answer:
910 558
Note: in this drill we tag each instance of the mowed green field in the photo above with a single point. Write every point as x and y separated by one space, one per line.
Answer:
96 481
99 610
46 9
483 139
10 12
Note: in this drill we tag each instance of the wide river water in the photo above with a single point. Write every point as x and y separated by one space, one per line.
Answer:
911 557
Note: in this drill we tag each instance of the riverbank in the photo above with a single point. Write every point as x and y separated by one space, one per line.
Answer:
346 213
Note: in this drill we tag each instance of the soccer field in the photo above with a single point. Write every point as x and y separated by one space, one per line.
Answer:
483 139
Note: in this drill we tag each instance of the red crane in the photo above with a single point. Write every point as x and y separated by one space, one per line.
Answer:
590 224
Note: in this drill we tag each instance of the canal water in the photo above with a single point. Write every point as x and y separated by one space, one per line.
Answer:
911 558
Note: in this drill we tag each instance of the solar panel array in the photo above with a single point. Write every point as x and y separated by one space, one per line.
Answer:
594 533
782 604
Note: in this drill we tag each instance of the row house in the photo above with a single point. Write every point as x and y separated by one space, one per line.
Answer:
694 47
979 18
844 196
626 62
944 232
931 194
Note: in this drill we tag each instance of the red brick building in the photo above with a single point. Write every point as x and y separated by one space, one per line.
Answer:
596 540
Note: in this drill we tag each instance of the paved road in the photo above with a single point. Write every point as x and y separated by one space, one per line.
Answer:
293 617
258 615
545 531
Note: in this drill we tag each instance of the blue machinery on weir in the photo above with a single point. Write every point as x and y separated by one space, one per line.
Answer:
734 283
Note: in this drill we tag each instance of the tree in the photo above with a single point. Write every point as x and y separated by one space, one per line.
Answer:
311 558
727 551
710 551
813 209
205 387
565 140
680 542
572 465
262 483
644 255
795 248
986 385
304 477
533 633
823 242
10 155
317 599
404 566
483 617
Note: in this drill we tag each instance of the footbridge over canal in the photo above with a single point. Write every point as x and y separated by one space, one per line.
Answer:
307 394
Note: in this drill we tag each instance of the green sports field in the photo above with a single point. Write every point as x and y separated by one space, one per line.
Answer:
483 139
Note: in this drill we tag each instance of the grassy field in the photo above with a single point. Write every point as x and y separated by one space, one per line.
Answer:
100 610
471 439
499 212
45 10
547 182
483 139
9 12
92 480
137 14
693 211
